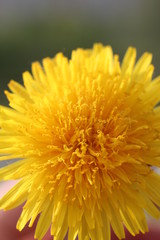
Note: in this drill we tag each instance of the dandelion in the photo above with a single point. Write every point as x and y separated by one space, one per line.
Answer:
87 133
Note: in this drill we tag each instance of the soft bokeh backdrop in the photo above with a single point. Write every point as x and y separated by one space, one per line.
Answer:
31 30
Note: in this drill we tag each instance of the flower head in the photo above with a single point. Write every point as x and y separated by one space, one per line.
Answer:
87 133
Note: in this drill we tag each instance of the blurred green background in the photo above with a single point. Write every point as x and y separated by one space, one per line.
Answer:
31 30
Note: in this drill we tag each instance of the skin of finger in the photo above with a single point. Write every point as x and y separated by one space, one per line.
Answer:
8 231
8 220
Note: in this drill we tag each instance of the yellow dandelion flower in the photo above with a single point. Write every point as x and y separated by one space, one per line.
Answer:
87 133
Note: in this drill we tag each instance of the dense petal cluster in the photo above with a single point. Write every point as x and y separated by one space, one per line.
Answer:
87 133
